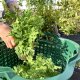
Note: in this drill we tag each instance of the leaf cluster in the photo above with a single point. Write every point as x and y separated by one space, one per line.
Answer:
69 19
25 30
40 68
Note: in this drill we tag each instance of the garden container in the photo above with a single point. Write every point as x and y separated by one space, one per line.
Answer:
8 59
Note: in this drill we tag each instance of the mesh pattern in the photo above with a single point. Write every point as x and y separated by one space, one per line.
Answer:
8 57
51 46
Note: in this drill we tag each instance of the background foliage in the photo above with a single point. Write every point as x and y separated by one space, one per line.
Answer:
69 18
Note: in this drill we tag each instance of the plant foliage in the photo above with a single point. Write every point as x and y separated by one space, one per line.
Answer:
40 68
40 17
25 30
69 19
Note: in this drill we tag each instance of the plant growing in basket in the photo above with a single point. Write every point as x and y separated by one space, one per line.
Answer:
25 30
28 29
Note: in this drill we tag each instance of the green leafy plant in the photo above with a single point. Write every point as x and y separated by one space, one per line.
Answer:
46 10
41 68
25 30
69 19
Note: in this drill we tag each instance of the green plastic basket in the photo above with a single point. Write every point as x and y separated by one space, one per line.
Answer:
8 59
